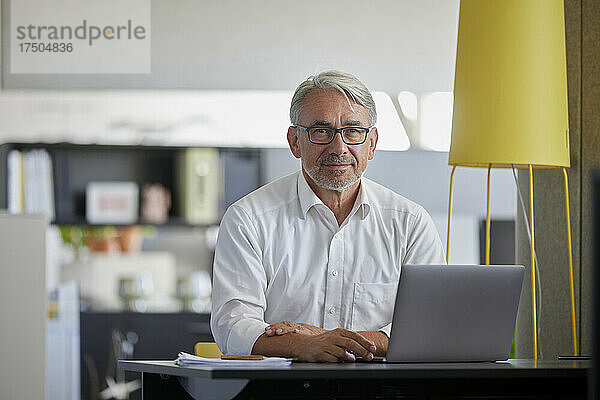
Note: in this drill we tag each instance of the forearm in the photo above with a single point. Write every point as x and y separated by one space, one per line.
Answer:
380 339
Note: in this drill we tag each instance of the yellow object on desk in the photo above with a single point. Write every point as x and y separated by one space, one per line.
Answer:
207 349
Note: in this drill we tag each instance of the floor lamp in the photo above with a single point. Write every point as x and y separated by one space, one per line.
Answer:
510 102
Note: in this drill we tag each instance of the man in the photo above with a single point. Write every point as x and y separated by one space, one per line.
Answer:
308 265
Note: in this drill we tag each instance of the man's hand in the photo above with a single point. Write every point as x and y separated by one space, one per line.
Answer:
330 346
334 346
284 327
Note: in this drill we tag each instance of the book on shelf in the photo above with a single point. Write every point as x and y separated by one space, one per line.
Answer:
30 183
201 185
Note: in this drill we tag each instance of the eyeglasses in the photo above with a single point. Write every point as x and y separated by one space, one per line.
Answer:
351 135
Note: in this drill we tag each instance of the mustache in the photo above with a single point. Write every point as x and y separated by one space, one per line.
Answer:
335 159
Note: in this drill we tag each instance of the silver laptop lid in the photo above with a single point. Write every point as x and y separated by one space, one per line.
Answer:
455 313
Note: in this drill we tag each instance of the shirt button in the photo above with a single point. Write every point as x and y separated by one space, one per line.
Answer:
331 310
334 272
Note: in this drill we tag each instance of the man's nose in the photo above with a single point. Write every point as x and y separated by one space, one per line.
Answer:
337 145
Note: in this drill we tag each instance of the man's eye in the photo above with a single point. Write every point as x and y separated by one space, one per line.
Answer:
352 131
321 131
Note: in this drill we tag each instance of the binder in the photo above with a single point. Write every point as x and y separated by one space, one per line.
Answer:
200 185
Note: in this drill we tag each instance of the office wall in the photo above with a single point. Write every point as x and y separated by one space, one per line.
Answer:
22 307
2 23
590 149
582 19
394 45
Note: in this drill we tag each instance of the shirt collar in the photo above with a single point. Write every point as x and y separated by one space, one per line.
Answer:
308 198
363 199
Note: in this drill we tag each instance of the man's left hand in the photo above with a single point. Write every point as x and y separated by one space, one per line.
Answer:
285 327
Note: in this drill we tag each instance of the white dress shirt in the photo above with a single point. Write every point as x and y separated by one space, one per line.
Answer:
281 256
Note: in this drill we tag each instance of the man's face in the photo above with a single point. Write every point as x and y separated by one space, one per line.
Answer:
337 165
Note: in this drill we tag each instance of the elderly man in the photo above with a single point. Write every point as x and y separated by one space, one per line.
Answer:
307 266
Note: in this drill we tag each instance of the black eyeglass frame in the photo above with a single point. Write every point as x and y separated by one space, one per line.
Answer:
335 131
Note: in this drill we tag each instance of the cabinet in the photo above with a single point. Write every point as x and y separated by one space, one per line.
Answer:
75 165
155 337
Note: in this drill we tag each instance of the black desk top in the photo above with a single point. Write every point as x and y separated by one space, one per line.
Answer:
515 368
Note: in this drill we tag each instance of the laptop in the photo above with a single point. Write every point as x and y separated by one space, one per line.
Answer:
455 313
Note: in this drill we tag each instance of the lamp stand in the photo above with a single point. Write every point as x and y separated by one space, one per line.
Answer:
487 219
573 325
532 249
449 214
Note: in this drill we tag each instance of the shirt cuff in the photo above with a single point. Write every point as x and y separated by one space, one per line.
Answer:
243 335
386 329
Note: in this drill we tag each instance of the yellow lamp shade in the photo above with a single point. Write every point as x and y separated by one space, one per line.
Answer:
510 89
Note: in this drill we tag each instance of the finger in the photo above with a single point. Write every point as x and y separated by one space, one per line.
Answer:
337 353
280 331
279 324
357 337
285 330
352 346
341 354
279 328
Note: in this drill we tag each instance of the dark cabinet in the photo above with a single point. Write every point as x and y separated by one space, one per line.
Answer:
156 337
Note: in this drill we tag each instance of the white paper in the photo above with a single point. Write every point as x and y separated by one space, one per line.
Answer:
189 359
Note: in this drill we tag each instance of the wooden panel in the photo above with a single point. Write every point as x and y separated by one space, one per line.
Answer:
583 51
554 319
590 149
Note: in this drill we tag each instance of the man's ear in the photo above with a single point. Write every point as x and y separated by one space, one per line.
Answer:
373 143
292 139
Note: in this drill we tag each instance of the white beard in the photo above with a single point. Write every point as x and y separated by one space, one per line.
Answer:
332 180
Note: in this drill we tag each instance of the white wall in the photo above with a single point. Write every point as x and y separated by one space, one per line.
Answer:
394 45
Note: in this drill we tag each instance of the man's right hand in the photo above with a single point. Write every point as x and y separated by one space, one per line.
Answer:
333 346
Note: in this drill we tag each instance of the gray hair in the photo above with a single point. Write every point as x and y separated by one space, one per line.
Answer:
345 83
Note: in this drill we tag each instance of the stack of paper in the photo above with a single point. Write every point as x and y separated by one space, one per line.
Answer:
189 359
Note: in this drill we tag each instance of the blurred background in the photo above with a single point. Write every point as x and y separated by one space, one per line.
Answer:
132 172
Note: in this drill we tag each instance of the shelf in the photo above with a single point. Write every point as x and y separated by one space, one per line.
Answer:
172 222
235 172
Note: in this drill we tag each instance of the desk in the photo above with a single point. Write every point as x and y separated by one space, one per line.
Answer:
514 378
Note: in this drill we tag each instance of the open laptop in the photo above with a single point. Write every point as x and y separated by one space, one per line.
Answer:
455 313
